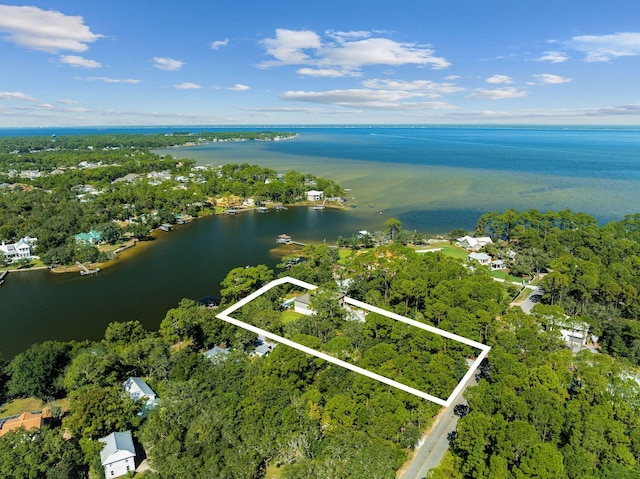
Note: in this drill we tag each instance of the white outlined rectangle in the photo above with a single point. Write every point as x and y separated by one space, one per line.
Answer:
484 349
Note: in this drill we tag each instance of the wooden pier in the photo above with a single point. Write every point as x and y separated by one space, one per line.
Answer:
84 271
2 275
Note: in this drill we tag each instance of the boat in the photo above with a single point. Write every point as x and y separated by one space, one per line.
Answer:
262 209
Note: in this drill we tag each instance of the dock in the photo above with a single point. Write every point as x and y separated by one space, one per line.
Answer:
262 209
281 208
2 275
84 271
232 211
166 227
286 239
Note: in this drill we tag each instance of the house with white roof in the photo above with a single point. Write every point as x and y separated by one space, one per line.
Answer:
314 195
482 258
469 242
140 390
23 249
118 456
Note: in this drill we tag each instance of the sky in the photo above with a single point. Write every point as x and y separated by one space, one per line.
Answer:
262 62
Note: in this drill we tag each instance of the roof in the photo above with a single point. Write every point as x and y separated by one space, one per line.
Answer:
117 446
480 256
304 299
26 420
217 352
137 385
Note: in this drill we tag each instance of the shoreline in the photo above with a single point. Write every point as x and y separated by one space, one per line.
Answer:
134 246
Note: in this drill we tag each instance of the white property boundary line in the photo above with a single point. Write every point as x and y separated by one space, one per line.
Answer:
484 349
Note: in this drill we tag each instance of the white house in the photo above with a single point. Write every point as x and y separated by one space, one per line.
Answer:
263 347
302 305
23 249
118 456
138 389
469 242
314 195
482 258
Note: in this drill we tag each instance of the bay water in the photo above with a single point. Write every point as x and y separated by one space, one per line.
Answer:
433 179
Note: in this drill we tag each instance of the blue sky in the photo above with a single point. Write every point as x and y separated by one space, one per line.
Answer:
142 62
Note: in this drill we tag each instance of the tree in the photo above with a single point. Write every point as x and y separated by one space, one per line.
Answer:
97 411
37 371
242 281
393 226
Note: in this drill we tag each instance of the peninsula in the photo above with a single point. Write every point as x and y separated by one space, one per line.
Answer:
73 200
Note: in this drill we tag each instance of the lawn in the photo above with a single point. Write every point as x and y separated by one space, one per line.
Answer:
18 406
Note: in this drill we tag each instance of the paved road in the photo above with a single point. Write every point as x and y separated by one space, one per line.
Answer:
435 443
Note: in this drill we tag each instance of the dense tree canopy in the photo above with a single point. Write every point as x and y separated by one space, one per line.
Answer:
539 409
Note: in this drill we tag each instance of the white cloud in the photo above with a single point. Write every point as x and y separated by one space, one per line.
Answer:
350 35
553 57
217 44
187 86
67 101
425 87
109 80
15 95
239 87
550 79
499 79
44 30
603 48
78 61
497 94
365 98
168 64
345 51
327 72
452 77
380 51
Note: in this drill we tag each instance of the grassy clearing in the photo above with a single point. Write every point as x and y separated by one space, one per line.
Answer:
290 316
273 472
18 406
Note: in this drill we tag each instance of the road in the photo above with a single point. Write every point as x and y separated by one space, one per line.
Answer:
435 443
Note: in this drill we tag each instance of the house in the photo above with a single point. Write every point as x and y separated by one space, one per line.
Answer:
26 420
302 305
118 456
140 390
23 249
92 237
481 258
314 195
263 347
468 242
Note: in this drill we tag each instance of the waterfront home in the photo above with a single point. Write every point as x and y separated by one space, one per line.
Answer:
23 249
26 420
314 195
471 243
118 456
482 258
92 237
139 390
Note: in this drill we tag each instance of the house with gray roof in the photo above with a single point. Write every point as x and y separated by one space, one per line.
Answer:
118 456
140 390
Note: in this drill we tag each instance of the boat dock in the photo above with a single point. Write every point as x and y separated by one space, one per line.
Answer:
286 239
84 271
2 275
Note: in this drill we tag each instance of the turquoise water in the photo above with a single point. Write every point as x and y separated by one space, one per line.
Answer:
438 179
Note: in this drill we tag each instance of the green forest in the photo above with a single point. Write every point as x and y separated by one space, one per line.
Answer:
539 410
114 184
